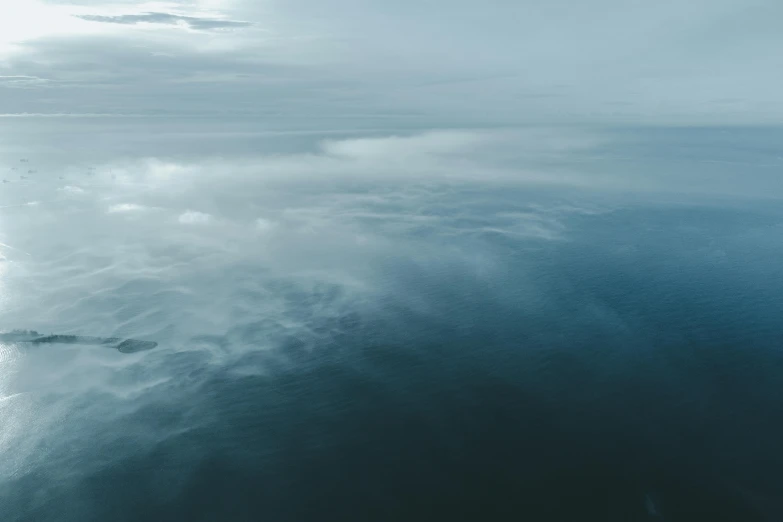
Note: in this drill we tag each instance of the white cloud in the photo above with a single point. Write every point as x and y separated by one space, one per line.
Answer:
265 225
22 82
396 147
72 190
172 19
192 217
122 208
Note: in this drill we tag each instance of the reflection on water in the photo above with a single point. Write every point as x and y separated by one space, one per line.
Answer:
378 349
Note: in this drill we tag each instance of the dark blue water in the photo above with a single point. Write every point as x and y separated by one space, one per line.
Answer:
397 351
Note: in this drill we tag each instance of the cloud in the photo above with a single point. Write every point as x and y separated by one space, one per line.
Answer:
123 208
79 115
496 64
72 190
168 19
265 225
165 75
430 143
24 81
192 217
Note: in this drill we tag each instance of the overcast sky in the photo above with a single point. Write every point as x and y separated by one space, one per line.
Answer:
494 61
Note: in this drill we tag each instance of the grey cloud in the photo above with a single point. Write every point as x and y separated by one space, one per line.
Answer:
168 19
172 75
443 63
663 62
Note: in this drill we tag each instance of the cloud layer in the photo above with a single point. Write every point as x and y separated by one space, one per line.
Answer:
167 19
458 62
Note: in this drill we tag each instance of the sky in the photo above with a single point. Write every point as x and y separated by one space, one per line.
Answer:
703 62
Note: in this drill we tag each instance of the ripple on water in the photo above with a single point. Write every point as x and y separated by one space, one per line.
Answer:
9 354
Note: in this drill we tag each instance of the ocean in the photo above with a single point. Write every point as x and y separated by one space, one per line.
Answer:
395 324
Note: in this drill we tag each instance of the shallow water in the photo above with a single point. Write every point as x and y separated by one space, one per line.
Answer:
340 340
